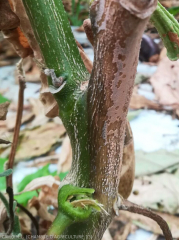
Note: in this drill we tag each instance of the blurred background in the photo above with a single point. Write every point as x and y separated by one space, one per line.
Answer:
44 149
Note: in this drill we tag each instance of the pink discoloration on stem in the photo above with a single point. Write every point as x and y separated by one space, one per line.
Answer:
117 37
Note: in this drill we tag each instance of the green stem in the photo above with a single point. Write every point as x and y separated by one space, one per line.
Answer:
5 202
53 33
168 29
67 212
59 225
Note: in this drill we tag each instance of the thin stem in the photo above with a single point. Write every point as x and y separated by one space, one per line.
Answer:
134 208
33 219
5 202
9 191
17 125
168 29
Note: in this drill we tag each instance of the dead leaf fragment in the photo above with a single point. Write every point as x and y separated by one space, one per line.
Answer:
150 225
38 141
47 181
139 101
107 235
49 195
65 156
159 192
128 165
8 19
3 110
41 208
3 215
165 82
11 121
153 162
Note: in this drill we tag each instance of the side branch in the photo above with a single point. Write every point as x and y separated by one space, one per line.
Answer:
134 208
18 124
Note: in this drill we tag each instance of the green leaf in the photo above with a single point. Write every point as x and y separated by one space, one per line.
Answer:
153 162
6 173
2 180
62 175
3 99
174 10
25 197
40 173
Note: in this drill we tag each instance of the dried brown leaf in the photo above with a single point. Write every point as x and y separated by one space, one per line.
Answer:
41 208
3 110
49 196
139 101
19 41
37 183
166 83
11 121
3 215
107 235
128 165
25 228
150 225
38 141
65 156
8 19
120 228
48 100
158 192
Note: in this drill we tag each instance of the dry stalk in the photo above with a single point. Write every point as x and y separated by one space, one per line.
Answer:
18 123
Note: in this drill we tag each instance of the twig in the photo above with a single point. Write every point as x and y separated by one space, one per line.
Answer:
9 183
18 122
134 208
9 191
33 219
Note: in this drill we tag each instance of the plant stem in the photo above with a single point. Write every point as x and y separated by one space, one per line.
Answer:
53 33
29 214
58 47
134 208
59 225
5 202
17 128
9 191
168 29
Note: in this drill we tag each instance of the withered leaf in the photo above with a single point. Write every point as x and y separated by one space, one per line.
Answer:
3 110
38 141
166 83
40 182
8 19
